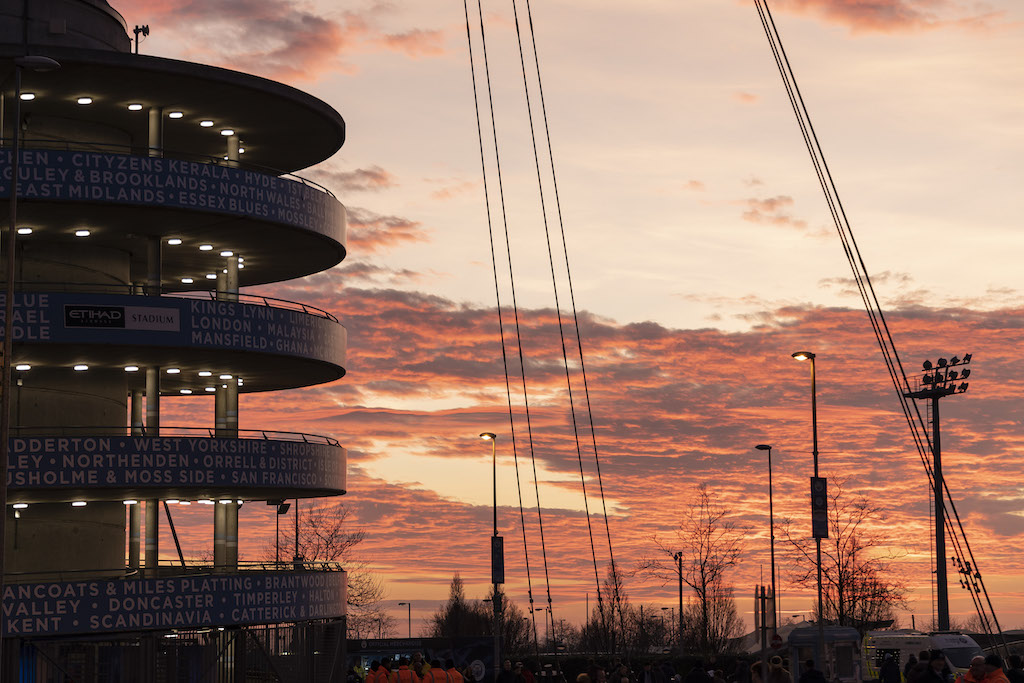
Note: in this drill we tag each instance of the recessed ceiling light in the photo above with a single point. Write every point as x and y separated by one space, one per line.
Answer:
131 368
211 388
135 106
225 376
226 132
206 501
205 247
171 501
186 391
131 501
81 367
205 373
174 241
85 100
241 265
241 150
184 502
173 371
240 259
28 96
79 504
81 233
211 276
24 231
206 123
226 501
227 253
22 367
20 506
175 115
187 280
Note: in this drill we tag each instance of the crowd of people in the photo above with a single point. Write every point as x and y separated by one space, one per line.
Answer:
406 670
929 667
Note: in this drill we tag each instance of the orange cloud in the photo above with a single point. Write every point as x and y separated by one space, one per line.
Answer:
891 16
773 210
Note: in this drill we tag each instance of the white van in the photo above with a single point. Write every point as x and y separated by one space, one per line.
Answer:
900 644
957 648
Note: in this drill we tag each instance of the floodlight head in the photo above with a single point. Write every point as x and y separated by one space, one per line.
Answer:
488 436
954 360
283 508
965 373
927 365
927 379
763 447
967 358
941 362
803 355
953 374
963 387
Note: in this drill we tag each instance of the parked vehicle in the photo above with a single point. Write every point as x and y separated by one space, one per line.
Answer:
900 644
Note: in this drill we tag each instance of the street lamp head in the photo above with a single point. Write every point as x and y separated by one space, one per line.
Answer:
803 355
37 63
488 436
403 604
763 447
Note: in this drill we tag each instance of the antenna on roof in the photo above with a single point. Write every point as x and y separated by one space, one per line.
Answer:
144 30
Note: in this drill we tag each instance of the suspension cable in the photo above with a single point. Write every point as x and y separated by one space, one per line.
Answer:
515 306
558 309
883 335
617 597
497 295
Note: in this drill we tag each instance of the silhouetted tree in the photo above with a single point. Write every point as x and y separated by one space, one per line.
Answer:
859 583
327 535
705 546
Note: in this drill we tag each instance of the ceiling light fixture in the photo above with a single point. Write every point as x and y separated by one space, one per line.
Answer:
206 123
227 132
187 280
205 247
81 367
174 241
135 106
85 100
22 367
81 233
175 115
131 368
28 96
24 231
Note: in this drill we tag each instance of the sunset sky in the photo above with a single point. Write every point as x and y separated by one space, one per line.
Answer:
702 256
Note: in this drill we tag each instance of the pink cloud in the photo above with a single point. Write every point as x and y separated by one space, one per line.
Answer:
890 16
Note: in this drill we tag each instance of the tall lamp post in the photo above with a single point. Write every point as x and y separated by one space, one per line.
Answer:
32 63
408 606
771 523
940 380
497 556
818 529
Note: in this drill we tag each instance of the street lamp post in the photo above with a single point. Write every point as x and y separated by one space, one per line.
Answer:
33 63
771 524
497 556
408 606
678 557
820 650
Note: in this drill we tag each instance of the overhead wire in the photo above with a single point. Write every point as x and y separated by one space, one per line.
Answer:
515 309
497 291
911 411
558 309
617 596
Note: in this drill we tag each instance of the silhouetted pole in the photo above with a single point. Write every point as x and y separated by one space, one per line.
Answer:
497 556
938 381
776 610
820 650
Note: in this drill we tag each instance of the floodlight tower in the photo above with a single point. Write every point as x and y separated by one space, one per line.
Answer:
939 380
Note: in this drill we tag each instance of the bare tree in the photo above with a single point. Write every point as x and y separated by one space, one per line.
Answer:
705 545
859 583
326 534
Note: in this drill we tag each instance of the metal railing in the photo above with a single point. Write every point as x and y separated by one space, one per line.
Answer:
170 569
142 151
146 290
197 432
